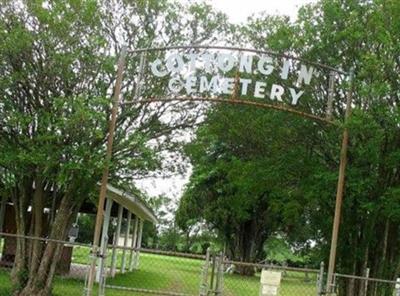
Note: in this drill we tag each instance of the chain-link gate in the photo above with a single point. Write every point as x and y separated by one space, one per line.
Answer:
212 278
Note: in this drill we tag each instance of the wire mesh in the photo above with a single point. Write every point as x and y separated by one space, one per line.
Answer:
69 274
168 273
363 286
244 279
155 272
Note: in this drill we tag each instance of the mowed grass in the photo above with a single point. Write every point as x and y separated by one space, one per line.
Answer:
168 273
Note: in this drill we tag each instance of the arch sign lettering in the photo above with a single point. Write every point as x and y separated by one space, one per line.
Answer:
219 74
176 64
237 75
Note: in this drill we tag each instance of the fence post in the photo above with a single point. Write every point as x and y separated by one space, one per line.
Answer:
366 282
333 291
103 268
204 276
212 271
220 275
320 279
398 287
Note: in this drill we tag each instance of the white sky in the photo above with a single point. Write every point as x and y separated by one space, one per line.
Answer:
237 11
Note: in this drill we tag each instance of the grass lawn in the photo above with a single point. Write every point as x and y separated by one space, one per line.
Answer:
174 274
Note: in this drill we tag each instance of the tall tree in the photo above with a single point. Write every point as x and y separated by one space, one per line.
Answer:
56 78
343 34
363 35
247 167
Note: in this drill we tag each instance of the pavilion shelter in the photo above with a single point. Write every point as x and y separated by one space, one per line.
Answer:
120 206
136 214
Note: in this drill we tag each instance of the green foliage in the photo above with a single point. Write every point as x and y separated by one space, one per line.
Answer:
278 250
240 154
246 185
363 35
86 228
57 74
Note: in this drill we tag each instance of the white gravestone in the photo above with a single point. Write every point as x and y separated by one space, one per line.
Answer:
270 282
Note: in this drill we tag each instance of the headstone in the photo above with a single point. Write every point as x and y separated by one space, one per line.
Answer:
270 282
73 233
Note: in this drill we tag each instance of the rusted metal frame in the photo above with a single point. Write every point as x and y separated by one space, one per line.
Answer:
340 187
235 48
234 102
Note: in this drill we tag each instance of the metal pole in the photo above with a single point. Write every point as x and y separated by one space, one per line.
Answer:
366 281
104 179
397 287
104 238
320 282
340 187
220 274
331 93
103 268
212 272
204 279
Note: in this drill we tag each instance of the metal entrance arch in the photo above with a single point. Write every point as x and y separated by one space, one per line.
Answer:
234 99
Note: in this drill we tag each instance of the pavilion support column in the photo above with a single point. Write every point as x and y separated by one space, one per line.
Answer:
133 245
116 240
128 226
139 244
104 239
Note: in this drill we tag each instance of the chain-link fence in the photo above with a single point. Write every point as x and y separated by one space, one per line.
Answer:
294 281
171 273
69 273
133 271
365 286
153 271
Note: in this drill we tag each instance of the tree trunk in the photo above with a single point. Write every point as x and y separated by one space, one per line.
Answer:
20 197
248 244
40 282
37 218
364 268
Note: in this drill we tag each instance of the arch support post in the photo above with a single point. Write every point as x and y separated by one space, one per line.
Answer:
340 189
104 179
